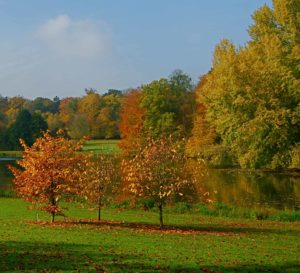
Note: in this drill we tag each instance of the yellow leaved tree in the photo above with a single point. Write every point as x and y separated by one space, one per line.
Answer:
99 177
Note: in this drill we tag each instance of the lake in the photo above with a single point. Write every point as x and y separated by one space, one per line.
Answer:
232 187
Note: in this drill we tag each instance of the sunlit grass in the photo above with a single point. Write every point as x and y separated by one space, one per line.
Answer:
191 243
97 146
102 146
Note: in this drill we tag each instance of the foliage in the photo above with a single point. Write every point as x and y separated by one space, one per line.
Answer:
47 171
252 93
101 176
131 122
27 126
158 171
203 136
168 105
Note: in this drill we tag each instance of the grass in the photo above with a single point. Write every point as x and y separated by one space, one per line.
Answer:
132 242
102 146
258 213
10 154
98 146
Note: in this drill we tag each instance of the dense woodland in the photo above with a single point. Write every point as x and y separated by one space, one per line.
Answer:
245 112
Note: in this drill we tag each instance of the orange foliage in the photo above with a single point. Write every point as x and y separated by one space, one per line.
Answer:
159 171
48 171
101 177
131 122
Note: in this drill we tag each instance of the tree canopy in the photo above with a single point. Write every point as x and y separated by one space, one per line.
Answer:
252 92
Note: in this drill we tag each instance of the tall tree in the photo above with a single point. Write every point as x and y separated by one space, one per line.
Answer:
169 105
252 94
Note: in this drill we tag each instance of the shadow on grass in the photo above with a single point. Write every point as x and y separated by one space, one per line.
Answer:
45 257
226 229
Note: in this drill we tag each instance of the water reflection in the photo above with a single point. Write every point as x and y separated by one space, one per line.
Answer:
253 189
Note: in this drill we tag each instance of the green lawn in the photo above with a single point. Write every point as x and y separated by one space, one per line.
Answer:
102 146
98 146
7 154
132 242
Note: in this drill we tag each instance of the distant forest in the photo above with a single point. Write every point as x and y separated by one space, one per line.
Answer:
244 112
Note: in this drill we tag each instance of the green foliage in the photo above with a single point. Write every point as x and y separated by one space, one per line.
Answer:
168 105
252 93
27 127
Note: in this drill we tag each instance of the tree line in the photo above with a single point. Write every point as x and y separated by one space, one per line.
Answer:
245 112
93 115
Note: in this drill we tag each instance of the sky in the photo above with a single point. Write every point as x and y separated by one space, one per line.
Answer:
58 48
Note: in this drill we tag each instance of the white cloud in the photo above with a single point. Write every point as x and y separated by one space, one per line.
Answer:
68 37
63 57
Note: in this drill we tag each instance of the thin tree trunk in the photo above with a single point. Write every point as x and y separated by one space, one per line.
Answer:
160 206
99 208
52 217
53 203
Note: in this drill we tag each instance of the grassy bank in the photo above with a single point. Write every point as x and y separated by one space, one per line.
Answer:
131 242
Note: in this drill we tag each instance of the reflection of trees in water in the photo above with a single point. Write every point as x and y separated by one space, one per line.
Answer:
253 189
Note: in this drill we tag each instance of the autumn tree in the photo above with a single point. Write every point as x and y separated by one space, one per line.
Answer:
78 126
47 171
67 108
131 122
159 171
109 115
53 121
101 177
252 93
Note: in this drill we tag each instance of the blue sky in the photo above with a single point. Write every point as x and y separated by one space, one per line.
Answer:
60 47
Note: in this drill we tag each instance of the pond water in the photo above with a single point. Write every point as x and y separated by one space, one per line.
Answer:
252 189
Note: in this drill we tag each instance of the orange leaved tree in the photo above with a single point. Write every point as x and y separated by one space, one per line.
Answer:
47 171
159 171
131 122
101 177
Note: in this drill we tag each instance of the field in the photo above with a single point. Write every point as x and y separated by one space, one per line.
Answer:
129 241
10 154
102 146
97 146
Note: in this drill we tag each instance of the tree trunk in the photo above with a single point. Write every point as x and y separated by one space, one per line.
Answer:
99 208
160 206
52 217
53 203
